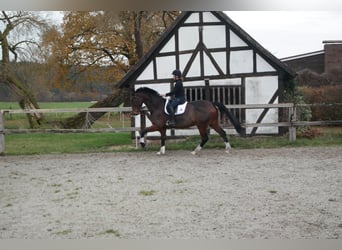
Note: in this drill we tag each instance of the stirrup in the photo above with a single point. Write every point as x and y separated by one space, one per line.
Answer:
171 123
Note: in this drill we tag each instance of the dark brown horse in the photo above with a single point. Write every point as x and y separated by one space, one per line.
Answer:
200 113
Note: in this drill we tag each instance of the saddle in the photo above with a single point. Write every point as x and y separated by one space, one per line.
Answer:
180 108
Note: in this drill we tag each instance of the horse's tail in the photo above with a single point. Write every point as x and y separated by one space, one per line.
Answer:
231 117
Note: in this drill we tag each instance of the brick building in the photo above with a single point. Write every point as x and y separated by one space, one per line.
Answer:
327 61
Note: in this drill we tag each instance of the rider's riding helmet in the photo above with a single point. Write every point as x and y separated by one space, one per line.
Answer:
177 72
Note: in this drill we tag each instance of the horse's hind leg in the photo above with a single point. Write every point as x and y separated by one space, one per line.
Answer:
223 135
162 142
204 139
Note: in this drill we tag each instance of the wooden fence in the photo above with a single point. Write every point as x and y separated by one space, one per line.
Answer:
291 123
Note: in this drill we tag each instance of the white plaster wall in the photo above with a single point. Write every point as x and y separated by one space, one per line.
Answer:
169 46
259 90
165 66
225 82
214 36
183 60
193 18
262 65
188 37
147 74
209 69
209 17
236 41
241 61
195 69
193 83
221 59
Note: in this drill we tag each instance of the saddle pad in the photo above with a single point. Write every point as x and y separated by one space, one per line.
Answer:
180 108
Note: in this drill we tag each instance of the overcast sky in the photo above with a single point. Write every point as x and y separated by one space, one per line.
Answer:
288 33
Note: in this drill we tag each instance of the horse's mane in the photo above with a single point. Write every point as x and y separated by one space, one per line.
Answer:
147 90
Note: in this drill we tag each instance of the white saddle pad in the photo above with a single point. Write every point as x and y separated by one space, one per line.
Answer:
180 108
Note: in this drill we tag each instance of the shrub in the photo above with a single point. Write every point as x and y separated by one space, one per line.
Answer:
327 95
309 78
309 133
294 95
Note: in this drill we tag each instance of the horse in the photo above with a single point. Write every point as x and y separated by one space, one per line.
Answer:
201 113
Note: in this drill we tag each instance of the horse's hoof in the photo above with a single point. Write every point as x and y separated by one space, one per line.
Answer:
197 149
161 151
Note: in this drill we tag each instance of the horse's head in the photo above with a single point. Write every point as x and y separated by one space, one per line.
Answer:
151 98
137 101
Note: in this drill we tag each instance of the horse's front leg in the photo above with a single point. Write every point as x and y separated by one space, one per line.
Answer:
142 138
144 131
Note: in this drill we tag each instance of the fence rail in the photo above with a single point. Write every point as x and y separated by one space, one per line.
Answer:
67 110
292 123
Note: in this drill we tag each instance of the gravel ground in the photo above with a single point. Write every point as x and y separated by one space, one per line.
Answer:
287 193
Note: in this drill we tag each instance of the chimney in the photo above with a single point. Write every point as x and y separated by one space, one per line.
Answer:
333 59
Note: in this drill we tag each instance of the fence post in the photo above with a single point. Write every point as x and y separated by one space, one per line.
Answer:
292 128
2 133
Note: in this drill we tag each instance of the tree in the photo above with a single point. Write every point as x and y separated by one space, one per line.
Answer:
116 40
16 40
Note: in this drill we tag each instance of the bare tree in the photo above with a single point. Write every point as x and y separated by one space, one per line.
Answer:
17 32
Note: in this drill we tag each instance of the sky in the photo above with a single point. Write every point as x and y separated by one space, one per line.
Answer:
288 33
285 33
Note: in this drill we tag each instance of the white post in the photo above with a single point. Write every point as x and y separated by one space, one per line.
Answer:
292 129
2 133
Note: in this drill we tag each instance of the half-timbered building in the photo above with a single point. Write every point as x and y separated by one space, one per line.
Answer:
219 61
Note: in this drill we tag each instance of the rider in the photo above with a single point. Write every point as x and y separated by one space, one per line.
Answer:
178 95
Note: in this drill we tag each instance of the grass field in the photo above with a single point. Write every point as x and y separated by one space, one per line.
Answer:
48 105
19 121
26 144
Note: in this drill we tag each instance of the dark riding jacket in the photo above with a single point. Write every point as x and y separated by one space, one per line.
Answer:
178 93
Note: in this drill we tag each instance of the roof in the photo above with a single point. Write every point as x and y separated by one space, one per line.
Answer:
134 72
332 42
300 56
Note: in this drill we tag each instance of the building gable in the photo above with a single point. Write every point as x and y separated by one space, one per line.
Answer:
219 62
204 45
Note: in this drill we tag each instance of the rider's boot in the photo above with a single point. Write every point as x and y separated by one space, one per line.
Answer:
171 121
